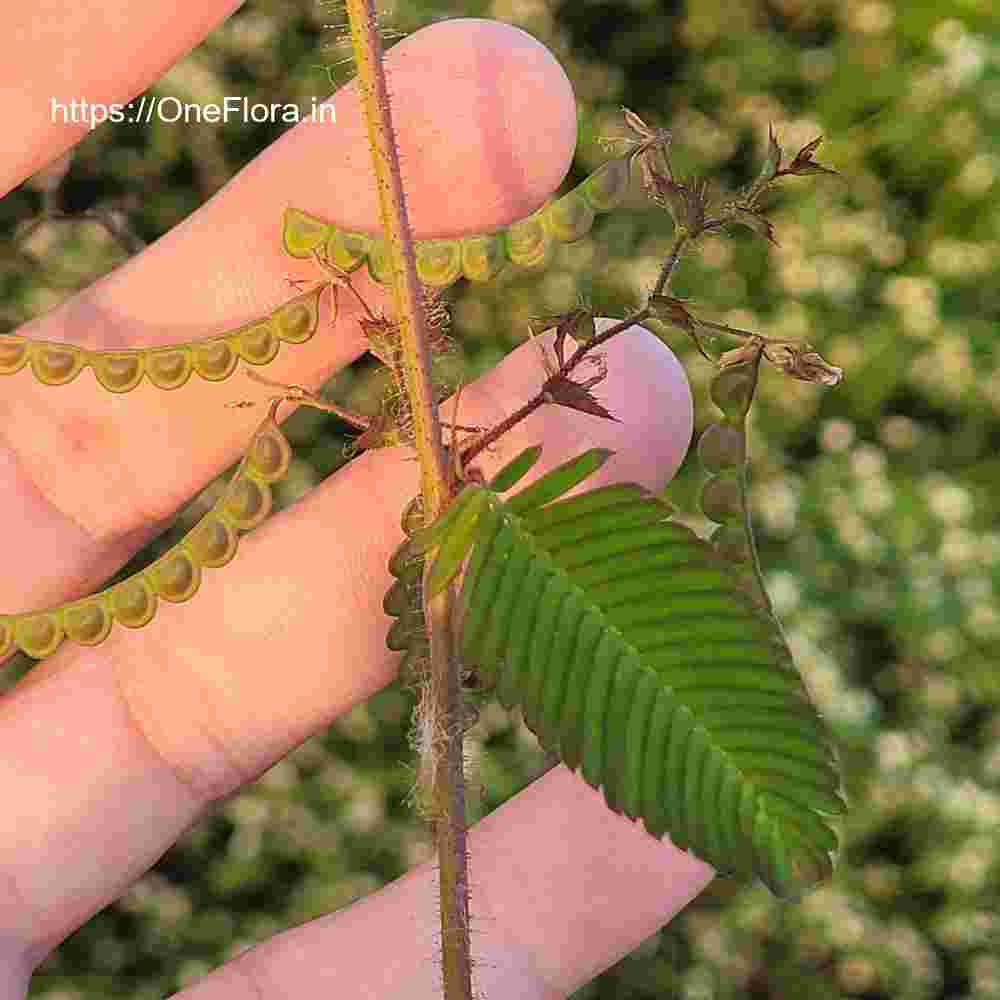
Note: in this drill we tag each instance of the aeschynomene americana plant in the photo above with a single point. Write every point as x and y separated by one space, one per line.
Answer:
646 657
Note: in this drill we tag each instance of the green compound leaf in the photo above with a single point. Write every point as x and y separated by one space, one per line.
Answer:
635 655
512 473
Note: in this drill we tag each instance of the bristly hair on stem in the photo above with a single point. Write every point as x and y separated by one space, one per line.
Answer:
445 712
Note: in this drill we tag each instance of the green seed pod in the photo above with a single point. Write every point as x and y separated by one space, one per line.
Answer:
607 186
568 219
133 602
170 367
402 558
378 261
398 636
413 577
39 635
439 262
528 242
56 364
730 542
212 542
732 389
397 599
118 371
88 622
483 257
13 353
347 250
246 503
722 446
214 360
296 321
302 233
722 499
6 636
175 577
256 343
269 454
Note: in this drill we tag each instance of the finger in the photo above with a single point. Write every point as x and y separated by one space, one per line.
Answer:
99 51
85 477
561 888
111 752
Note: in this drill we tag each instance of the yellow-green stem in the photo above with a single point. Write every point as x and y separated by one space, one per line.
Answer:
446 693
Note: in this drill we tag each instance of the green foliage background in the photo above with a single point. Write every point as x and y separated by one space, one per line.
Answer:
875 502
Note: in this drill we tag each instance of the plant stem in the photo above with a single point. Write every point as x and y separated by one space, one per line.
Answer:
670 264
445 684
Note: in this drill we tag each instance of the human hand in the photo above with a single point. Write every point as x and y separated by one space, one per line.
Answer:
108 754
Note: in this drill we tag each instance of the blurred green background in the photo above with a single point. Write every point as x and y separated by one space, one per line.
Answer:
875 501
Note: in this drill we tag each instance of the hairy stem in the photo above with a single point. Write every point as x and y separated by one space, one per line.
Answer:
446 693
670 264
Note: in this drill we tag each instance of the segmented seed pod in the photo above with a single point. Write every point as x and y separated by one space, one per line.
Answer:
412 519
397 598
118 371
347 250
404 599
302 233
133 602
13 353
607 186
483 257
398 636
439 262
88 622
402 557
722 499
269 454
568 219
39 635
722 446
213 541
257 343
170 367
296 321
175 577
246 503
214 360
56 364
732 389
528 242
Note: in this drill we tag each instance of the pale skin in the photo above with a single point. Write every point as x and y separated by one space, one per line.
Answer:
108 754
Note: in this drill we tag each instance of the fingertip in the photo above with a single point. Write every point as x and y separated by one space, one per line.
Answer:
485 118
646 389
